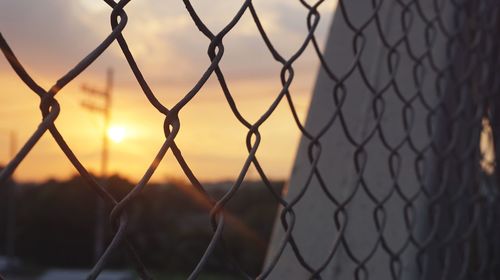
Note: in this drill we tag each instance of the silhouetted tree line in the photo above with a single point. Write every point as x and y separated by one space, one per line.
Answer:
168 224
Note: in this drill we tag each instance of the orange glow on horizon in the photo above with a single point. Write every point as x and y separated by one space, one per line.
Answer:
172 57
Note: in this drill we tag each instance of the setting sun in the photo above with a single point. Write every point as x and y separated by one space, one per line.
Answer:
116 133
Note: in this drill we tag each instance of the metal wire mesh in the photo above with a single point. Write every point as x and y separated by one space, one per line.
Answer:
449 221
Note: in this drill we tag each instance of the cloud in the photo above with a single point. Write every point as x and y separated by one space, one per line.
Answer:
45 34
53 35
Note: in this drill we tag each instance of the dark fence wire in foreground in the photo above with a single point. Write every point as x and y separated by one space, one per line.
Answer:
474 88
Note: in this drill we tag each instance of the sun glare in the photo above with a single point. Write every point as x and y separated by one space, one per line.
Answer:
116 133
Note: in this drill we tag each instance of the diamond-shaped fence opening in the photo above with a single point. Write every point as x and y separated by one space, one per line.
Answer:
395 172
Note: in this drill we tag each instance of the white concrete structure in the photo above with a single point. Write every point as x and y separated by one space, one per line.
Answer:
315 230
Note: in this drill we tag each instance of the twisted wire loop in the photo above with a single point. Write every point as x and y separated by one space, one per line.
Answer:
429 88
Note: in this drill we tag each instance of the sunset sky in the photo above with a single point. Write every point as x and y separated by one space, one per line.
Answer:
50 36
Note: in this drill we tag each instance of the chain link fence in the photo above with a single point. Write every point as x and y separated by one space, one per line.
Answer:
431 87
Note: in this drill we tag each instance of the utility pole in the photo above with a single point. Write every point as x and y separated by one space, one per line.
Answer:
105 110
10 234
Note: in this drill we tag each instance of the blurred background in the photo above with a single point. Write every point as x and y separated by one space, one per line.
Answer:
48 214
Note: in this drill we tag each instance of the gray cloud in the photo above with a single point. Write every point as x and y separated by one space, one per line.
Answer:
53 35
46 35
